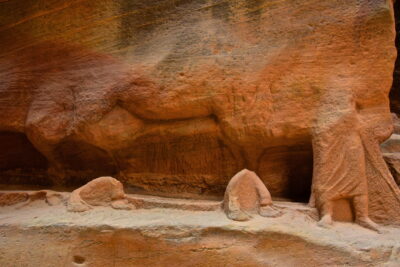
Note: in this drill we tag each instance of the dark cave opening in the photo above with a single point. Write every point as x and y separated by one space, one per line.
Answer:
287 172
300 177
22 166
83 162
395 91
20 162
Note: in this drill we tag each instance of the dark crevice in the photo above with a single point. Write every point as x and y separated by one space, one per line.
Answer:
395 91
83 162
287 172
20 161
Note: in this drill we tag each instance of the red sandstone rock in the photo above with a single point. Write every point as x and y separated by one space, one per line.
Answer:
245 195
25 198
51 236
102 191
393 161
12 198
391 150
175 99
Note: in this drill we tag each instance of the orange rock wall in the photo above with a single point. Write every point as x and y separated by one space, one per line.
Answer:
174 97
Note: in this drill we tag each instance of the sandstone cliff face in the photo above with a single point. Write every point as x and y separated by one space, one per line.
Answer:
174 97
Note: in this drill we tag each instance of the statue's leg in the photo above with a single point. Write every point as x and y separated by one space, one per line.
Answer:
360 204
266 208
339 168
327 162
234 211
326 213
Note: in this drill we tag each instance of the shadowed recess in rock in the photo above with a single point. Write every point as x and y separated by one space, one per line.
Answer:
20 162
395 92
82 161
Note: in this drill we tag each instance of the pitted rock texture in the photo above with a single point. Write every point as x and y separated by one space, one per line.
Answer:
174 97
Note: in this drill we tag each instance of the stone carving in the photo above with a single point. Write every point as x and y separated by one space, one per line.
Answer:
245 195
178 101
340 172
102 191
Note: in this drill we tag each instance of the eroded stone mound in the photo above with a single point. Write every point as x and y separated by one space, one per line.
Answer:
245 195
102 191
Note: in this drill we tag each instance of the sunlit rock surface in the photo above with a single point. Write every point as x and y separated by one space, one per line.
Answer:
174 97
40 234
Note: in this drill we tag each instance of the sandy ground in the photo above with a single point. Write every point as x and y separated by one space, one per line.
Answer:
183 226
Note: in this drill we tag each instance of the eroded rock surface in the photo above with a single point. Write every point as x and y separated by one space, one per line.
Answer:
43 235
393 161
21 199
174 97
391 150
245 195
102 191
